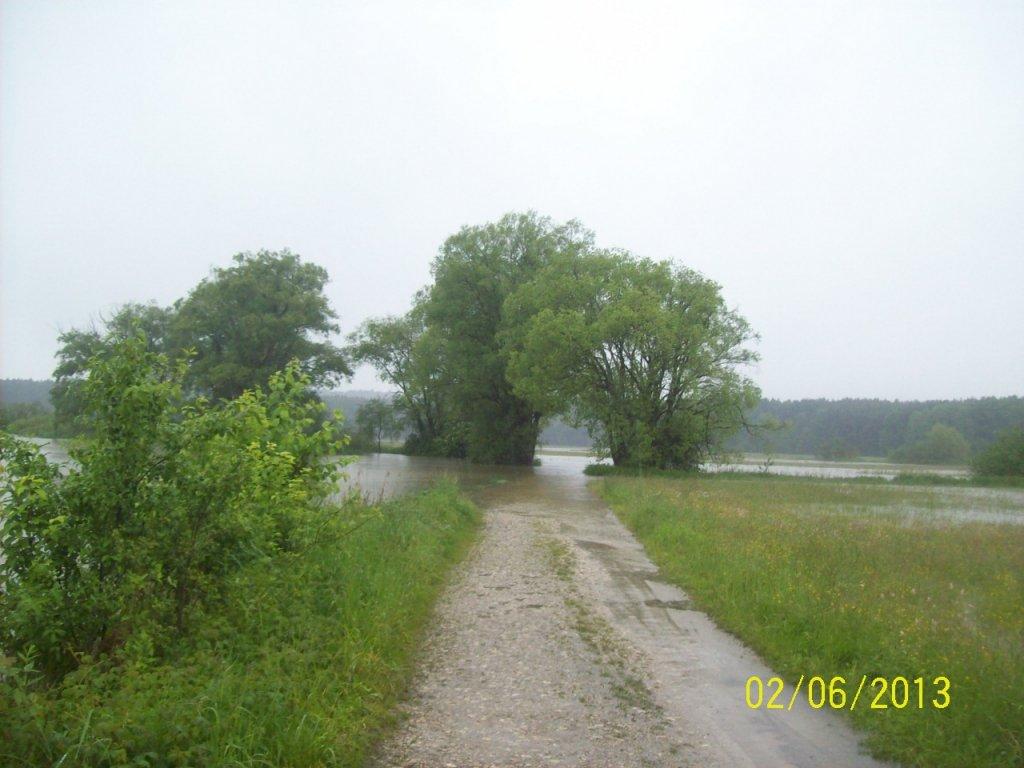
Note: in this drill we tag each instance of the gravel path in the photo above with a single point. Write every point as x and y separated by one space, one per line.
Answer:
519 673
556 644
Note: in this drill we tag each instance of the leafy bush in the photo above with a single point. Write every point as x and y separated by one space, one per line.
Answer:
30 419
300 664
836 449
1004 458
941 445
168 500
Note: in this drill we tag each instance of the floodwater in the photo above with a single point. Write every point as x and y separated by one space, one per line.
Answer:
54 450
791 465
383 476
386 475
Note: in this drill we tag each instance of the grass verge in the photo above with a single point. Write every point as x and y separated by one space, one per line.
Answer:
300 667
829 579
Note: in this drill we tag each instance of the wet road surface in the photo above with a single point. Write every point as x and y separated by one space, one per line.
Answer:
557 644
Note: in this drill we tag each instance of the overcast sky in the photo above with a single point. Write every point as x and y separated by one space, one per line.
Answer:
851 173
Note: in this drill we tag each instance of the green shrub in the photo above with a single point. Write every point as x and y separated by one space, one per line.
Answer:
299 664
941 445
168 499
29 419
1004 458
836 449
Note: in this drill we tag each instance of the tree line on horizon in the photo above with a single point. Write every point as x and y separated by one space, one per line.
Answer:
832 429
850 427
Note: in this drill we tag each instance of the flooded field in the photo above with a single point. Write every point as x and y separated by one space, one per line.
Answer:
807 466
381 476
387 475
783 464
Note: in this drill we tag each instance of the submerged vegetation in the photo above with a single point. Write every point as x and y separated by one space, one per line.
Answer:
1004 458
830 578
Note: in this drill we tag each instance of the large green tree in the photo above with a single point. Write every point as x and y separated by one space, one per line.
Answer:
412 357
375 420
79 346
646 354
247 321
476 270
1005 457
942 444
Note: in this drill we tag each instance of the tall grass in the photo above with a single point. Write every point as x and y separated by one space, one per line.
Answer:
829 579
301 667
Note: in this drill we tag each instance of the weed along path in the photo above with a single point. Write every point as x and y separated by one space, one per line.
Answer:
556 644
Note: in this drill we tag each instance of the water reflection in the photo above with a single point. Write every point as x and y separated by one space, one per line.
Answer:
559 483
384 475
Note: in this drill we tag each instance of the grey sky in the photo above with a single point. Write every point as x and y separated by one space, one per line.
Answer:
851 173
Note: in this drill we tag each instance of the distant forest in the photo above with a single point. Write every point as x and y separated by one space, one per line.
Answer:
876 427
558 433
862 427
14 391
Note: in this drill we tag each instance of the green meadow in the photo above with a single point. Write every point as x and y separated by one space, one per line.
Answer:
834 578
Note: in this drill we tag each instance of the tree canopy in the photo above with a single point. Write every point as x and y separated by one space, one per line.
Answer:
476 270
411 356
942 444
1004 458
247 321
525 321
238 327
876 427
375 420
78 347
645 353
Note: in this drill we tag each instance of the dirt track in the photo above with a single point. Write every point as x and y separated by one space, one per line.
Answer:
557 645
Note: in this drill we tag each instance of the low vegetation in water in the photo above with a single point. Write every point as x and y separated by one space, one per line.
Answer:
1004 458
830 578
902 478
